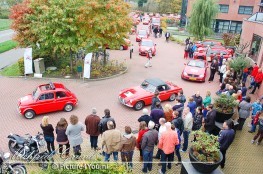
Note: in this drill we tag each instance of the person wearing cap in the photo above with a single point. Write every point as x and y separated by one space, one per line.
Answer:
145 117
92 128
149 139
149 57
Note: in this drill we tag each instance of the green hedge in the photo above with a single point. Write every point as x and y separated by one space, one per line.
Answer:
21 66
7 45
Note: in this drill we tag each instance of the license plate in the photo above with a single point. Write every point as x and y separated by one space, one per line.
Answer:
192 78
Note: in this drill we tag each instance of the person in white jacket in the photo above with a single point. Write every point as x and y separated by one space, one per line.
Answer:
222 70
188 124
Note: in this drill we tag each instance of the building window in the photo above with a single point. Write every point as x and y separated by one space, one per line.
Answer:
255 47
221 26
223 8
247 10
235 27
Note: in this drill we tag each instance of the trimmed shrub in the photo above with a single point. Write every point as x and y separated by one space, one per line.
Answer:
21 66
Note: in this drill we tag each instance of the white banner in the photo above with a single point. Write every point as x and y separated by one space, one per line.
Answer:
87 66
28 61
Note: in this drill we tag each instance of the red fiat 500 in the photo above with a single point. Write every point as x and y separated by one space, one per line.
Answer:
47 98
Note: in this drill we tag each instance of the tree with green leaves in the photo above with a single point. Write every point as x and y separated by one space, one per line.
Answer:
169 6
202 16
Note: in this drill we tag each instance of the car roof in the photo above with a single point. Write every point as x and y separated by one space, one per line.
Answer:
52 87
155 81
147 40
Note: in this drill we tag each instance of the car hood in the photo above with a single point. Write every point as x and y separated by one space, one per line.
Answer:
142 36
28 99
194 70
134 93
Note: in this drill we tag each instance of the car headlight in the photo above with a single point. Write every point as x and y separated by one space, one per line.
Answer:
201 76
185 73
131 101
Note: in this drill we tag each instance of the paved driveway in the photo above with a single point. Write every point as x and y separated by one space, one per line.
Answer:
167 65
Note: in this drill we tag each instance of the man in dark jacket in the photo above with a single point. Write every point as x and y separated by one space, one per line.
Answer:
103 122
198 99
155 99
226 137
178 122
92 128
149 139
182 97
210 119
145 117
156 114
178 106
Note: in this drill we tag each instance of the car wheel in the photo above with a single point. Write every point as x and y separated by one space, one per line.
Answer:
139 105
172 97
29 114
68 107
121 48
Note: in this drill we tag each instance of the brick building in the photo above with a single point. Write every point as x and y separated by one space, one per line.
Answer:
231 14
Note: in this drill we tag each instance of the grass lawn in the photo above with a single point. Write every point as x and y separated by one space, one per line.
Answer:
5 24
12 70
7 45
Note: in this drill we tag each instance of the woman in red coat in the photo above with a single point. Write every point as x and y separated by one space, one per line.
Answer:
143 128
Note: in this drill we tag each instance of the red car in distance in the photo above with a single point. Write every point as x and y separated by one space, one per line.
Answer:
200 53
139 96
206 43
156 22
217 51
141 34
195 70
47 98
145 45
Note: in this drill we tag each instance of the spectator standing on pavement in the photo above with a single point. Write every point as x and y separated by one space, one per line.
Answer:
260 130
155 99
213 70
207 101
182 97
186 51
168 113
258 80
149 139
244 112
167 36
131 50
156 114
187 40
192 105
149 57
48 132
73 132
191 54
222 70
111 142
167 143
92 128
220 60
198 99
103 122
253 74
198 117
178 146
62 138
178 122
142 129
188 124
145 117
226 137
128 144
256 107
155 31
178 106
160 31
210 119
161 130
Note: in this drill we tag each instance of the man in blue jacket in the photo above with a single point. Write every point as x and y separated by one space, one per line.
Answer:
226 137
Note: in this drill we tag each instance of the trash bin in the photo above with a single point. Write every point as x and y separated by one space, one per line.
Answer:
79 69
39 66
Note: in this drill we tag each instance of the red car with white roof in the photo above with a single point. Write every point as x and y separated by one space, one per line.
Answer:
145 45
139 96
47 98
195 70
141 34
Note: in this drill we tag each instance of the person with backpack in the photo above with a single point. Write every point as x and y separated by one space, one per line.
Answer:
103 122
191 54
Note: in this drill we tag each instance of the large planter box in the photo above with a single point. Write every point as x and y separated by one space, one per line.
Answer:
204 167
222 117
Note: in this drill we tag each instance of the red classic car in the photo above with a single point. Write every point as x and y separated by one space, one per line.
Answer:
206 43
141 34
145 45
217 51
140 96
195 70
47 98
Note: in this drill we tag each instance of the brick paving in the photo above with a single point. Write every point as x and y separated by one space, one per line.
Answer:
242 157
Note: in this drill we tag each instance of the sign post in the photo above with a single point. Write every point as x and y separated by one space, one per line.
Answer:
28 67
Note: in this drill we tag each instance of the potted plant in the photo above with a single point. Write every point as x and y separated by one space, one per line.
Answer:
204 152
224 106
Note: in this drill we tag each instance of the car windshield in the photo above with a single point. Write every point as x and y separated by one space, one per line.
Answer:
148 87
36 93
199 64
142 32
147 43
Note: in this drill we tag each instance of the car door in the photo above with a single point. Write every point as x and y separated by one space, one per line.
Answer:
164 92
45 103
61 100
